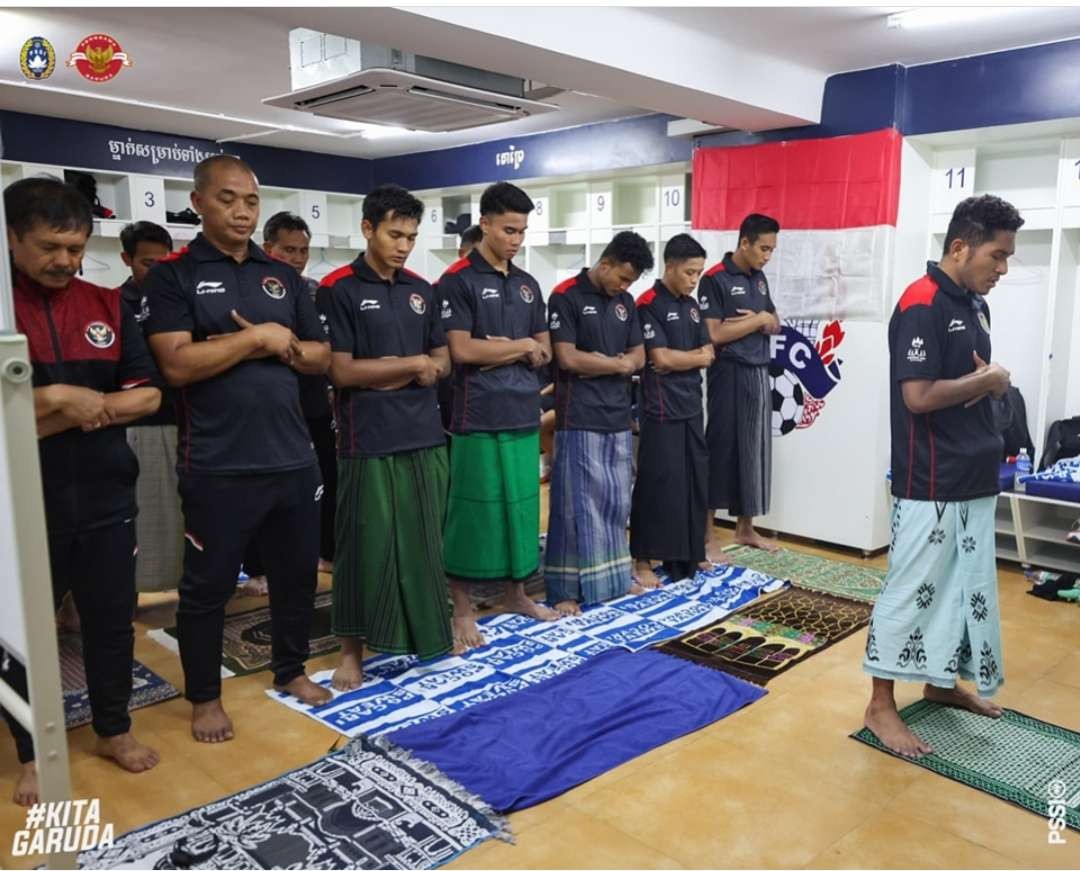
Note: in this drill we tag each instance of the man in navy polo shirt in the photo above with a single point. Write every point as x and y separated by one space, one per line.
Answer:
389 350
493 315
231 327
740 315
668 503
92 376
596 337
936 619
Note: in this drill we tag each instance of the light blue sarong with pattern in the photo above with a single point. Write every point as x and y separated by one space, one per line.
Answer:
936 619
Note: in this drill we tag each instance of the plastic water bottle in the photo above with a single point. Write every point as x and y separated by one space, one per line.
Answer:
1023 467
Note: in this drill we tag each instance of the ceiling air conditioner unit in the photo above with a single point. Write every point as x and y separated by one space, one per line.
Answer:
337 77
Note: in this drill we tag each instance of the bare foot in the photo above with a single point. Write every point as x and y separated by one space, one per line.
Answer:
568 607
349 675
717 557
962 699
644 579
209 722
306 690
885 722
753 539
326 566
26 787
128 753
256 586
467 635
518 602
67 618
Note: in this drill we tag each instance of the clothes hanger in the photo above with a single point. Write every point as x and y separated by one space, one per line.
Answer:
95 265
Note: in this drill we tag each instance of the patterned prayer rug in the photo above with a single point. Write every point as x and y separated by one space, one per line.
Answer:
1027 762
836 577
400 691
360 807
769 637
147 687
246 647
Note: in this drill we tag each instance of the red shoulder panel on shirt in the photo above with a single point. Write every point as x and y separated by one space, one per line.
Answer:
174 255
458 266
332 278
564 286
919 292
646 298
719 267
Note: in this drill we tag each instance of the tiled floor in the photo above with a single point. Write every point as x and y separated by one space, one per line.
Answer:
779 784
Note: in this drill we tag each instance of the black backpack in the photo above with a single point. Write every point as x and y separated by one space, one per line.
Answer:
86 185
1062 441
1010 417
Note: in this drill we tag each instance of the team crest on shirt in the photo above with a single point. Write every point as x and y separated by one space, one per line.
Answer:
100 335
527 294
620 311
984 323
695 316
762 288
273 287
417 304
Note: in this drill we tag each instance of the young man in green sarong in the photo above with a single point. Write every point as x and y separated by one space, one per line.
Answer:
494 318
388 351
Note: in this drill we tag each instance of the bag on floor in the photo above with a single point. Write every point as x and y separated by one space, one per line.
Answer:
1062 442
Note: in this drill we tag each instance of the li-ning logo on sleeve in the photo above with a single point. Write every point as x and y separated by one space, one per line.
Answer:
512 157
915 353
956 325
100 335
209 287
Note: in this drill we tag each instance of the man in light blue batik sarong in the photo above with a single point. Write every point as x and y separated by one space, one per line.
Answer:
597 343
936 620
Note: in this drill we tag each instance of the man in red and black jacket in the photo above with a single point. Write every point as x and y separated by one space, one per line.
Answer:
92 376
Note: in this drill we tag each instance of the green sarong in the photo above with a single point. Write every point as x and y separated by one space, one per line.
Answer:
389 584
493 519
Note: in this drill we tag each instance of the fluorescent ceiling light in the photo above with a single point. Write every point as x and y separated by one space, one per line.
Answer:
940 16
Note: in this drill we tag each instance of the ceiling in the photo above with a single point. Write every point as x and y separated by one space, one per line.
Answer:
204 72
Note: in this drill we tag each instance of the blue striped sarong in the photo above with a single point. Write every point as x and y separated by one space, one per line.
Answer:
936 619
587 557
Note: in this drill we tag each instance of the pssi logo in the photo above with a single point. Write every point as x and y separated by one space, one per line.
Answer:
512 157
804 368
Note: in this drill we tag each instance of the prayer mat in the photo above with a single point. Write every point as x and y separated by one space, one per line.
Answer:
400 691
517 752
835 577
147 687
1019 759
769 637
360 807
246 647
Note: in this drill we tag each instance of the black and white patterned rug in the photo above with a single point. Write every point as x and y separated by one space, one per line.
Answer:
367 805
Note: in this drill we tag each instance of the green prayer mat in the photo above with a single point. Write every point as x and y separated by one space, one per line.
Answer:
837 578
1024 761
246 647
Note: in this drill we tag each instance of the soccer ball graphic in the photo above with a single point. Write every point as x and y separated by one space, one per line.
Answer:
787 400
